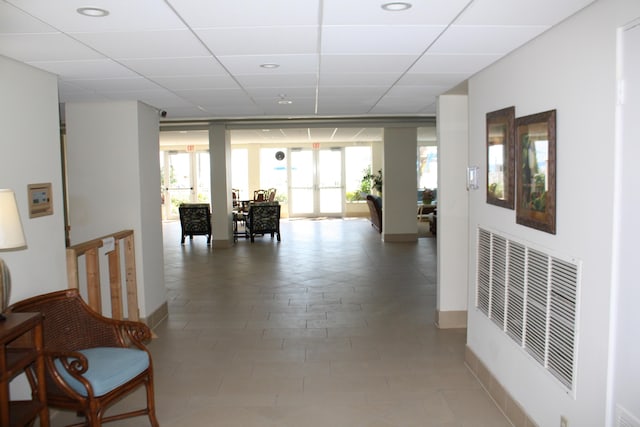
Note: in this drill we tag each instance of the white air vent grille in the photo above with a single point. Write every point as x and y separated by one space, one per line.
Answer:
625 419
532 296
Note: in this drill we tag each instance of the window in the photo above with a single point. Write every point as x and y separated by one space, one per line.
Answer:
428 167
273 172
357 163
240 172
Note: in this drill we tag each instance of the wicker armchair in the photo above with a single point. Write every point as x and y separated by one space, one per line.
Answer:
91 361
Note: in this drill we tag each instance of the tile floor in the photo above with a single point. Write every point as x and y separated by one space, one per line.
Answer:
330 327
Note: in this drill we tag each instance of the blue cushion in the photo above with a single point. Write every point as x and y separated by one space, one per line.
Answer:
109 367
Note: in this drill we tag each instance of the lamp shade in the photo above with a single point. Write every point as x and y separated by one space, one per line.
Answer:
11 234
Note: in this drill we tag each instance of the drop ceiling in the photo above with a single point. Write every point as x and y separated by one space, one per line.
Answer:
201 59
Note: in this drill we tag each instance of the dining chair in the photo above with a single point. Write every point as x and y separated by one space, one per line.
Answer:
259 196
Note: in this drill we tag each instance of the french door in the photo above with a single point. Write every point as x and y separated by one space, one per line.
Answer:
185 179
316 182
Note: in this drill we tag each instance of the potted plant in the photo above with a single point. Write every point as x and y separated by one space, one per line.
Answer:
375 180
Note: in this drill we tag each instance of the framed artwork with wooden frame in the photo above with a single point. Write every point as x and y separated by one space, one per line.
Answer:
536 163
501 157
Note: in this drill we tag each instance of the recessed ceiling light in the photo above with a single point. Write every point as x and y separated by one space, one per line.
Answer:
270 65
285 102
93 12
396 6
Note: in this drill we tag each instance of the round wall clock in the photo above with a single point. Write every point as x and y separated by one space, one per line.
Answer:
279 155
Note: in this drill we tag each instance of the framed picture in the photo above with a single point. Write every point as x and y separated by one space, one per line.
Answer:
40 200
536 163
501 157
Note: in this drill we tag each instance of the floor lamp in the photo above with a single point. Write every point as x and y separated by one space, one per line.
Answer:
11 237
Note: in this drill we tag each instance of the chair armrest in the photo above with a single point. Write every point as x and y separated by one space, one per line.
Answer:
74 363
136 333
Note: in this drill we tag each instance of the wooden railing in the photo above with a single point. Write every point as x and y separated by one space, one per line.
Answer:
90 251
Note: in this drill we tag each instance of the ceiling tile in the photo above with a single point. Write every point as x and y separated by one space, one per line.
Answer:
85 69
148 44
116 85
261 40
487 40
367 12
247 13
196 82
366 63
358 79
509 12
15 21
44 47
451 63
288 64
281 81
172 67
139 15
376 40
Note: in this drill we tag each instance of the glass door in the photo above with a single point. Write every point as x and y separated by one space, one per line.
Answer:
301 201
316 182
185 179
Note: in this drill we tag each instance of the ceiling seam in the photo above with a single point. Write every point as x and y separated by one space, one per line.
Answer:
104 56
415 61
213 55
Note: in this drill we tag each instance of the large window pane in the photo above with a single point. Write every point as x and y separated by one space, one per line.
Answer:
204 176
357 163
240 172
273 172
428 167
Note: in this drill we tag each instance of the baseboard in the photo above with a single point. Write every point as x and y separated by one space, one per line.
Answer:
451 319
222 244
400 238
157 316
505 402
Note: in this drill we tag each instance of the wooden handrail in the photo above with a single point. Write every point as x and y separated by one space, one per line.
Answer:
90 250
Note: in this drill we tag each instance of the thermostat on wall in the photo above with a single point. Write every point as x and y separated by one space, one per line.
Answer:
40 201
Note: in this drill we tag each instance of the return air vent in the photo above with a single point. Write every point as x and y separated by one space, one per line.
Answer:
532 296
625 419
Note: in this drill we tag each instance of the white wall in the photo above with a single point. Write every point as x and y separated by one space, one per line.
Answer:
113 181
30 153
399 182
452 128
625 347
571 68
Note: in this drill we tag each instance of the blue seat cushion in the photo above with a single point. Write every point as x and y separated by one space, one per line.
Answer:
109 367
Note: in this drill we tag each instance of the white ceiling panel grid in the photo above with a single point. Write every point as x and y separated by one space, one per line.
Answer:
203 59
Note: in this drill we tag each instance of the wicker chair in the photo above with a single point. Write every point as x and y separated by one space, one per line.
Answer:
91 361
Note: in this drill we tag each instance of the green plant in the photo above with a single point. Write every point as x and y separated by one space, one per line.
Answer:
374 180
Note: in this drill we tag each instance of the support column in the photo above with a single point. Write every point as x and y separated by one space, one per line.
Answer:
399 183
453 211
221 200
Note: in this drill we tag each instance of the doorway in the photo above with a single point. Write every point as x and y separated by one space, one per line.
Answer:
316 182
185 178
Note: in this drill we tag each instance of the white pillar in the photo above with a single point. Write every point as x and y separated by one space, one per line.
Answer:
399 183
453 211
221 199
113 172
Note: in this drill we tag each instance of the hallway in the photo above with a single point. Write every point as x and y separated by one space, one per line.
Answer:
330 327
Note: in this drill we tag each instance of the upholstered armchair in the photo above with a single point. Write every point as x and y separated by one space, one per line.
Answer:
375 211
264 218
91 361
195 220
